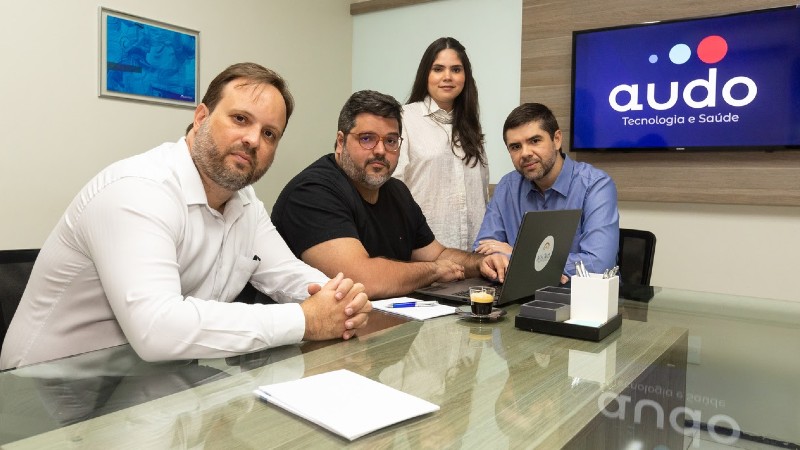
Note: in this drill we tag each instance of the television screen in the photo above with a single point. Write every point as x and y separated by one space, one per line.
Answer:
724 82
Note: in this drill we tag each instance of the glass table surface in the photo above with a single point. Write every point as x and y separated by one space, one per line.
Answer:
683 363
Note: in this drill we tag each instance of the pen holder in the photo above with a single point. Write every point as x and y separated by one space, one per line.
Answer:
594 298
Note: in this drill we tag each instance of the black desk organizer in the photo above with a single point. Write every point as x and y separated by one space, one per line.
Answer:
534 316
569 330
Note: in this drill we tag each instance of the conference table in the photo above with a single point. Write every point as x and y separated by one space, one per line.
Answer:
683 364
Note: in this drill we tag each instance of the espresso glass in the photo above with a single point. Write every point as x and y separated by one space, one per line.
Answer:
481 299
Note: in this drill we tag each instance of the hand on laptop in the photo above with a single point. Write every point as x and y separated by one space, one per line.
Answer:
490 246
495 266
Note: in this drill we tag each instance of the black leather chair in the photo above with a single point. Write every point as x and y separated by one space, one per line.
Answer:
637 249
15 269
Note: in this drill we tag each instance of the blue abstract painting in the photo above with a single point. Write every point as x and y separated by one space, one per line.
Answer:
150 61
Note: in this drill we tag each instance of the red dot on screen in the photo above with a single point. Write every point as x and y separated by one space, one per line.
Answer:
712 49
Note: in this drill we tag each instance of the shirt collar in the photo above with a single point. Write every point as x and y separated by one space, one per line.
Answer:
192 184
562 183
564 178
431 106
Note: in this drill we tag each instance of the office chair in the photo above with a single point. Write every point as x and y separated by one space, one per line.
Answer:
637 248
15 269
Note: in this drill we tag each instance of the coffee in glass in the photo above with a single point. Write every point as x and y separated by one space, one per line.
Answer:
481 299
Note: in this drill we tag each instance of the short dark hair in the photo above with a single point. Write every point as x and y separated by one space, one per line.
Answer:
252 73
531 112
371 102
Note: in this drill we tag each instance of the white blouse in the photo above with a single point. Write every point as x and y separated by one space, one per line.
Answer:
452 195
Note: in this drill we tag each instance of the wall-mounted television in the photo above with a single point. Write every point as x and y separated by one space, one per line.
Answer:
729 82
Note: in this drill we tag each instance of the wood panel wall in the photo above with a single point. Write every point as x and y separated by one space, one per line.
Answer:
757 178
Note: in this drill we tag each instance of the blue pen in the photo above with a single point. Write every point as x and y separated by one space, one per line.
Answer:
410 304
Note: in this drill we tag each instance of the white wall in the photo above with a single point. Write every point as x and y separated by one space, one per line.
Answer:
56 132
387 47
733 249
746 250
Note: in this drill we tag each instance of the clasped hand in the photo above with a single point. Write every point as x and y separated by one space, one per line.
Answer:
338 308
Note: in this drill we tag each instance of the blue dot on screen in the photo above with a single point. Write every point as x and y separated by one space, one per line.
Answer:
680 53
653 59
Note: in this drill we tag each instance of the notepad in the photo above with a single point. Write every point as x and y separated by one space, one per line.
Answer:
345 403
419 313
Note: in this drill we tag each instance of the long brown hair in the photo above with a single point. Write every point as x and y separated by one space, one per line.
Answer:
466 115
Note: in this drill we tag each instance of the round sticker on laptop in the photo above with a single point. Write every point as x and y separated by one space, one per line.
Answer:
544 253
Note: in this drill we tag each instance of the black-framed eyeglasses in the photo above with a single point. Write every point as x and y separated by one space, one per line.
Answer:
368 141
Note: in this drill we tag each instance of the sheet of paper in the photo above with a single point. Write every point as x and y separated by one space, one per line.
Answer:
416 312
345 403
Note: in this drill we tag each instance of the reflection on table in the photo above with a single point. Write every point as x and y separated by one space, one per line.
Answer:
743 372
496 385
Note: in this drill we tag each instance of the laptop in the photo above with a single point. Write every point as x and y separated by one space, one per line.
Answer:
538 259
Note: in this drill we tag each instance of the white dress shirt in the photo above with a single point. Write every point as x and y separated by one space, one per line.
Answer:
140 257
452 195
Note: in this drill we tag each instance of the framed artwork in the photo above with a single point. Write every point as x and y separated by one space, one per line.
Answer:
146 60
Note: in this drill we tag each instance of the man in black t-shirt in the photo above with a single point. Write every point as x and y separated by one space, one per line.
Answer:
345 212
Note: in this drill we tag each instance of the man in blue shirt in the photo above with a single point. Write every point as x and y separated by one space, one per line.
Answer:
547 179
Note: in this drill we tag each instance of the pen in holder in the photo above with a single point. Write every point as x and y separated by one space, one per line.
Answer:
594 298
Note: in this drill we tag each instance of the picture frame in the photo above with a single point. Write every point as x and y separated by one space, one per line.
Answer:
146 60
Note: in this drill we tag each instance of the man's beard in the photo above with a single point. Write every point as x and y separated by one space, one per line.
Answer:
545 166
211 162
360 175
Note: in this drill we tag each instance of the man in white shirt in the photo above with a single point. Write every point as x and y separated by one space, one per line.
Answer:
153 250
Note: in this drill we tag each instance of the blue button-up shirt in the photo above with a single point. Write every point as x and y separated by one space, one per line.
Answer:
578 186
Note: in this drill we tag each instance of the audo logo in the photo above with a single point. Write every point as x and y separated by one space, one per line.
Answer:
544 253
710 50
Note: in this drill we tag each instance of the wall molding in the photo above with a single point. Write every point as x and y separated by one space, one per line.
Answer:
368 6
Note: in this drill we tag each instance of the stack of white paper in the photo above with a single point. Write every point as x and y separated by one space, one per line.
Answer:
345 403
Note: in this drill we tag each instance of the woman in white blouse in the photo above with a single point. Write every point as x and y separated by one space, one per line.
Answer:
442 158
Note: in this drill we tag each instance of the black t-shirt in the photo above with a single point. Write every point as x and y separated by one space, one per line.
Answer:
321 204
